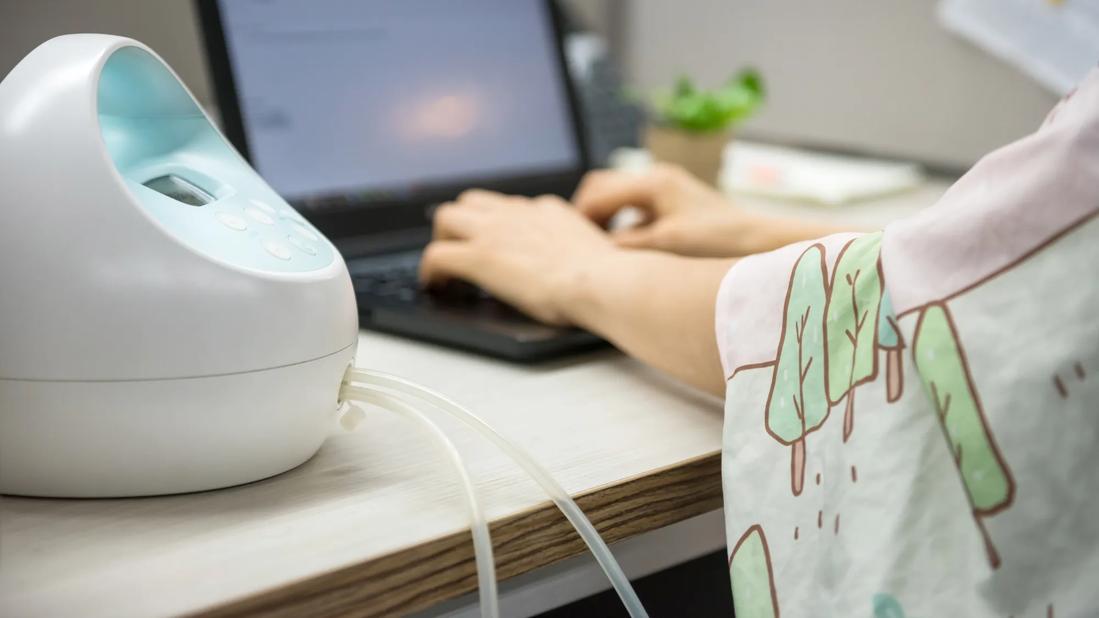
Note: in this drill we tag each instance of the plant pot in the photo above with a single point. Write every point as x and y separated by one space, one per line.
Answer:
699 153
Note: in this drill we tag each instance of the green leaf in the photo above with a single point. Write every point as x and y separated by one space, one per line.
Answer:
706 111
683 87
751 80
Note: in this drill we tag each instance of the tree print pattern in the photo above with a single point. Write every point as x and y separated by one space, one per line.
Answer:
851 327
797 403
890 340
941 364
752 577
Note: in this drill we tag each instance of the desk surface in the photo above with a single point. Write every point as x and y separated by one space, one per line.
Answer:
374 523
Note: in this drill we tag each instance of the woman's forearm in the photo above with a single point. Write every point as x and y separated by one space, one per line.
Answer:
657 307
767 233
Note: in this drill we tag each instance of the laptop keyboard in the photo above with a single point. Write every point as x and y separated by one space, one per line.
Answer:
392 277
396 278
387 289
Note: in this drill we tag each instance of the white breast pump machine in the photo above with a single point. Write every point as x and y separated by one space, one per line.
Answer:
167 322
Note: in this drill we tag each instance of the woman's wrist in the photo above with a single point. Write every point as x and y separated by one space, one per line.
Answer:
581 287
654 305
767 233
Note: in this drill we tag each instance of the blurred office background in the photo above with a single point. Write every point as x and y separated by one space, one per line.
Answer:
878 78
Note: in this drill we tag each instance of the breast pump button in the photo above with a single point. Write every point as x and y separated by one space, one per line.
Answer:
277 249
256 214
302 244
264 206
290 215
232 221
302 230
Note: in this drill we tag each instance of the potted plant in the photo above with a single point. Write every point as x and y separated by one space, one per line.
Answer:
690 127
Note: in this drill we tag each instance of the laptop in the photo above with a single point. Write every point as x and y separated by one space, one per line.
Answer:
366 115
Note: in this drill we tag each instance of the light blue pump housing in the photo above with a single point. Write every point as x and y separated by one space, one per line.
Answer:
156 135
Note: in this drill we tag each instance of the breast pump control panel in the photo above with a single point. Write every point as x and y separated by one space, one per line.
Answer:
190 181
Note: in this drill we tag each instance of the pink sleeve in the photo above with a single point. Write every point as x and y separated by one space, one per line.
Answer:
1013 202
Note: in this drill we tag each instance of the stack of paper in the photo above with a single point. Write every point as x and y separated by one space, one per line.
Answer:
823 178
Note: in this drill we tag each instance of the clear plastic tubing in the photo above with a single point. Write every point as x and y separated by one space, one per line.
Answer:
482 542
556 493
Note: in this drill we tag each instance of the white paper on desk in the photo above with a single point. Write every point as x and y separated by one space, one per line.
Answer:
1054 41
775 171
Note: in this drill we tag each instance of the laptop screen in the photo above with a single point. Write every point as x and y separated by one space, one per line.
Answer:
348 102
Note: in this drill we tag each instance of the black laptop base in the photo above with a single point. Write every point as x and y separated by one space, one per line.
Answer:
460 328
390 300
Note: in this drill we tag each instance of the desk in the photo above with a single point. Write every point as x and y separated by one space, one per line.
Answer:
373 523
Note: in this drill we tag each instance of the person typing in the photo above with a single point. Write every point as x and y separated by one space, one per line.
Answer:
907 411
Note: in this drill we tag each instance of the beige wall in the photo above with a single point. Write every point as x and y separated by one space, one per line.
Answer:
878 76
168 26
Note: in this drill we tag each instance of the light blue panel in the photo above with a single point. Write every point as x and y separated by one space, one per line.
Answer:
152 128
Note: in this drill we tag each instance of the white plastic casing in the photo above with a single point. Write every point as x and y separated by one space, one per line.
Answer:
132 362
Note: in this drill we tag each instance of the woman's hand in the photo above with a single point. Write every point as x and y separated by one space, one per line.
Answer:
530 253
684 215
549 261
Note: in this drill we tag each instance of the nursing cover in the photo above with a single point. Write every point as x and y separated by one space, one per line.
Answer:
912 416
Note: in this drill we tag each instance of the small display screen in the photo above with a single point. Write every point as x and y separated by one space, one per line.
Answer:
180 190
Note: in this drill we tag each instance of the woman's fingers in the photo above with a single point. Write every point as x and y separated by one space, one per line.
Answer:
453 221
602 193
458 220
443 260
483 197
640 237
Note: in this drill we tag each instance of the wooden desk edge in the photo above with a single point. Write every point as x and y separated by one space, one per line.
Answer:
421 576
